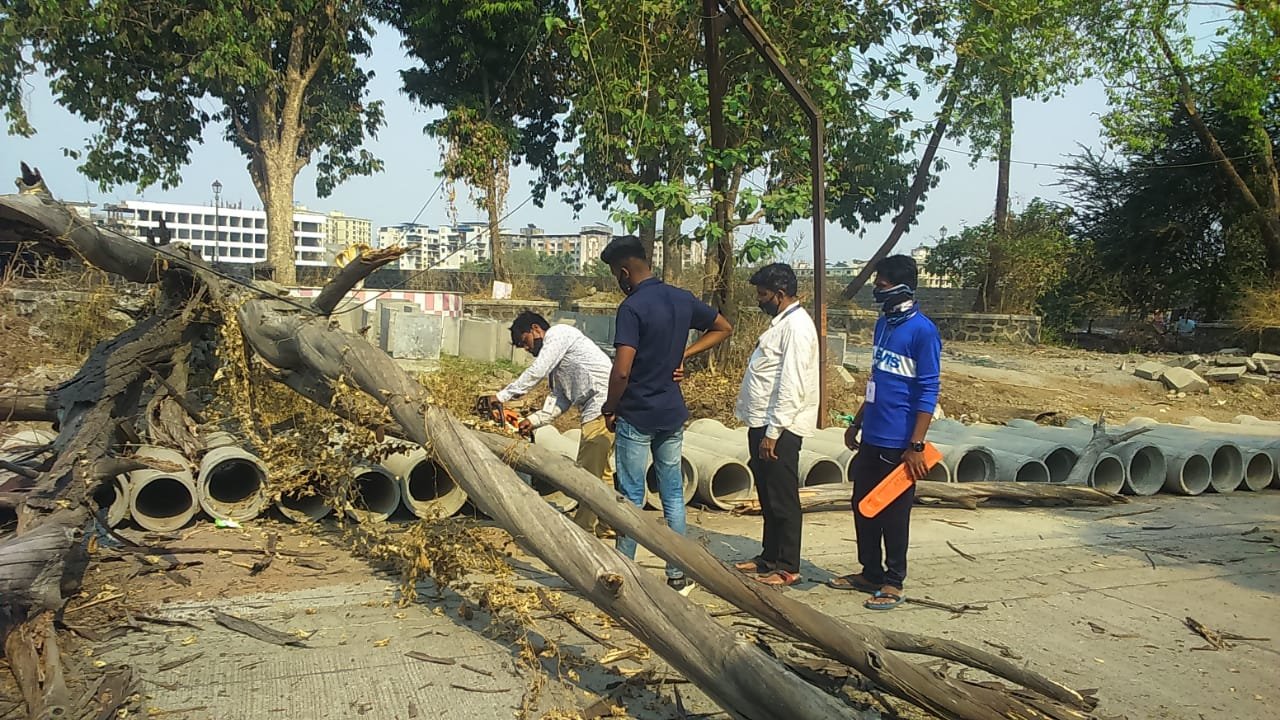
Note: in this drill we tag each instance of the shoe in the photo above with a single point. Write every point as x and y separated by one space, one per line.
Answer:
682 585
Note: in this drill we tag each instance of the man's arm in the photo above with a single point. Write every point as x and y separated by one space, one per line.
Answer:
555 404
719 331
619 377
553 350
927 351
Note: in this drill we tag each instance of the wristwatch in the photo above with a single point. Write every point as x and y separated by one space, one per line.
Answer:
917 446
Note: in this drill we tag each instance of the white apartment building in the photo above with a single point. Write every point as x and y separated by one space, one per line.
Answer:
342 231
227 234
435 247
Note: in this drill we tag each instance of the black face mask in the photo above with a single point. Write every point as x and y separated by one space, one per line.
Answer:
537 347
769 308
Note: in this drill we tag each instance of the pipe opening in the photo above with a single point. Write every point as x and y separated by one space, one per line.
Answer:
304 508
1259 471
234 481
1059 464
1108 475
975 466
1227 469
1147 471
1032 472
428 481
1195 474
376 493
106 494
686 475
731 482
163 497
824 472
937 473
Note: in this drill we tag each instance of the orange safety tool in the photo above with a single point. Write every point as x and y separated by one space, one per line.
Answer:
894 484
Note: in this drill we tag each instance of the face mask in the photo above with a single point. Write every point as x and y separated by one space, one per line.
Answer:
897 294
769 308
537 347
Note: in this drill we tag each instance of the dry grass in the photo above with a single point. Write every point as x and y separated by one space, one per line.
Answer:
1259 308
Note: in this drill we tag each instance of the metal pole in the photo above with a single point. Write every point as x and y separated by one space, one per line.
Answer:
755 35
713 25
217 191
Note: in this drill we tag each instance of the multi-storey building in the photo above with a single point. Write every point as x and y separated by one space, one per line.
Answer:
227 234
436 248
342 231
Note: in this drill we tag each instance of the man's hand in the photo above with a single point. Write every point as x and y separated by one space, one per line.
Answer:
916 466
678 375
525 428
767 449
611 422
851 436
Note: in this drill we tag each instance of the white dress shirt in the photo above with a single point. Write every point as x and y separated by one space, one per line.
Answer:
577 370
780 388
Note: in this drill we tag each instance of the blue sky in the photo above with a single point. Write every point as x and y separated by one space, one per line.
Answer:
1044 133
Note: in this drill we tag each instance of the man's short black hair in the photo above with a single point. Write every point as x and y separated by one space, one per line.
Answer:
778 277
623 247
899 270
526 322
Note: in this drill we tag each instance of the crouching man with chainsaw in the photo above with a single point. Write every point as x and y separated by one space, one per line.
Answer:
902 393
578 373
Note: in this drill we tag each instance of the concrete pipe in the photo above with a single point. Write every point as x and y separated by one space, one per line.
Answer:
1226 460
1143 461
425 487
112 497
562 444
722 482
818 470
1057 457
1259 469
162 500
375 493
232 484
1188 472
1108 474
687 471
816 467
303 508
1250 420
966 462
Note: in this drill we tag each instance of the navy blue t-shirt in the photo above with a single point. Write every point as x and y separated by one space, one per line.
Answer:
655 319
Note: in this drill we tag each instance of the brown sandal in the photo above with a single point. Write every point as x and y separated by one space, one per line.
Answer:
755 566
853 582
780 578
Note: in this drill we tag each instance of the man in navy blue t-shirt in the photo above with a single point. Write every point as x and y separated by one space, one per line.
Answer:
902 394
645 407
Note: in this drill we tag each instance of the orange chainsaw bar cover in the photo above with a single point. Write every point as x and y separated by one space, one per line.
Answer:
894 484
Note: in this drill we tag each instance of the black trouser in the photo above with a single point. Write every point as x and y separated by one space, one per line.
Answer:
891 525
778 485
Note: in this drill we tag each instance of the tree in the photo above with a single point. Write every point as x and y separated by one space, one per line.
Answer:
1013 49
285 75
488 65
1031 255
1227 95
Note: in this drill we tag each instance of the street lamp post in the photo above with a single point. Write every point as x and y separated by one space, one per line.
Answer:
217 192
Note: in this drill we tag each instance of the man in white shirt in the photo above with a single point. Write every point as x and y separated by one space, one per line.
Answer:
778 402
578 373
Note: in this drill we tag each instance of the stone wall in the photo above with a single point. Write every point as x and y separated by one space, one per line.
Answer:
983 327
507 310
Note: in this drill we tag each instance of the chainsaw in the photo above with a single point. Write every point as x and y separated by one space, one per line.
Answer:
498 413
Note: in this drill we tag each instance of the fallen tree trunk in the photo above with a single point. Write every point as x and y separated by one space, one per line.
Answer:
964 495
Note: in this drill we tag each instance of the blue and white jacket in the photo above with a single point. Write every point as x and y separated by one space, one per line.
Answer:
905 370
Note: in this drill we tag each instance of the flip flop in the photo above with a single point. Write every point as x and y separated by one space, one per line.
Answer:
754 565
882 595
779 578
853 581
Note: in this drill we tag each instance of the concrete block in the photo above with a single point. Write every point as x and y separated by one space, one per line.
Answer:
1262 368
1150 370
1255 379
521 357
1225 374
1230 361
844 376
451 334
1183 380
1190 362
1230 351
1251 365
479 339
385 309
1266 358
414 336
835 348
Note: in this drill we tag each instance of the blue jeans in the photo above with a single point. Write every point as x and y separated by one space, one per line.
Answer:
631 455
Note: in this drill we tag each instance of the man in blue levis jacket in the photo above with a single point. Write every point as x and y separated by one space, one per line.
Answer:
902 394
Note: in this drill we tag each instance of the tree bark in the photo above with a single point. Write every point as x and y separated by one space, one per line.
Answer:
969 496
989 295
919 183
497 248
672 247
277 195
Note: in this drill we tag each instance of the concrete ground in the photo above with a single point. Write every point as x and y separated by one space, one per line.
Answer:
1095 598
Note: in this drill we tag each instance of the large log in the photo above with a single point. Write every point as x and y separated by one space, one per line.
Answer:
964 495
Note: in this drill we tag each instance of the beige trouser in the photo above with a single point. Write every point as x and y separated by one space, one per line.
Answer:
594 450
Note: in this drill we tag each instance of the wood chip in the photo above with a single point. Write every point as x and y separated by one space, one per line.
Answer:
961 553
468 688
180 662
475 669
1214 639
265 561
430 658
957 609
255 630
166 621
